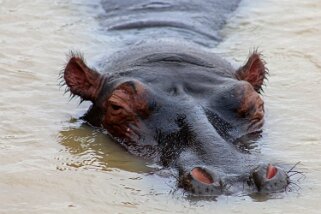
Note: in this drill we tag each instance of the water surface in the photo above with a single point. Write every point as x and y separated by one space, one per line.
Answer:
51 163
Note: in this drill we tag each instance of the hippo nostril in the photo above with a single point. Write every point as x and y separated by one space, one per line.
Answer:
269 178
201 175
271 171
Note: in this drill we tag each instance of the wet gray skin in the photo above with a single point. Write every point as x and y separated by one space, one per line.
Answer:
175 102
196 21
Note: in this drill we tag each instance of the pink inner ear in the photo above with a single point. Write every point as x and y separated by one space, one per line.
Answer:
74 74
80 79
253 71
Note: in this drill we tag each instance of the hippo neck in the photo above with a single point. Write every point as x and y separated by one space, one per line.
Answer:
196 21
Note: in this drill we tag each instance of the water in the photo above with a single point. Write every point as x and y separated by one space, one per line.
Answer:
50 163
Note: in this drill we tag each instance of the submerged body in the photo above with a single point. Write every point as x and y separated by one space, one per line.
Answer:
196 21
177 103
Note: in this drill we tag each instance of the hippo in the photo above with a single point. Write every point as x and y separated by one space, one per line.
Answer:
166 97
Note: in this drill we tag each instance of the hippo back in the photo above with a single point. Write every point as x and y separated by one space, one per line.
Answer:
191 20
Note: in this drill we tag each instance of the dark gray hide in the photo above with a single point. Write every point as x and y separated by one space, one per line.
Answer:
195 21
167 97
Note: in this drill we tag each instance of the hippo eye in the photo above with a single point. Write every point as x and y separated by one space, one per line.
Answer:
115 107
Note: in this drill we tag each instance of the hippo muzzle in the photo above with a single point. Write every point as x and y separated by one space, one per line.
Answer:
206 181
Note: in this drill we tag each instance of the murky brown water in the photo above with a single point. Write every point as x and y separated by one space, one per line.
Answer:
50 163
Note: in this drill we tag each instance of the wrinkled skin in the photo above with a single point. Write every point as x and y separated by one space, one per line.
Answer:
176 102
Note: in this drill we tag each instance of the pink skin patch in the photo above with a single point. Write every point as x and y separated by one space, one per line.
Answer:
271 171
202 176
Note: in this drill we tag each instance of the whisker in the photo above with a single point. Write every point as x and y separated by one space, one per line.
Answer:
288 189
302 178
298 187
295 165
296 173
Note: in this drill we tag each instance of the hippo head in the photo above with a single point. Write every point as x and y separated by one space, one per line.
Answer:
189 110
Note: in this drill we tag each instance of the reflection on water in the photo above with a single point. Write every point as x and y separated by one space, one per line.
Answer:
69 167
90 148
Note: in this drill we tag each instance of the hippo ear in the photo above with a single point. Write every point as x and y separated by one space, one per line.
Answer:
253 71
80 79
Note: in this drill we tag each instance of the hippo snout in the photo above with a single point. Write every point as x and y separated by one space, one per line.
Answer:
201 181
269 178
205 181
